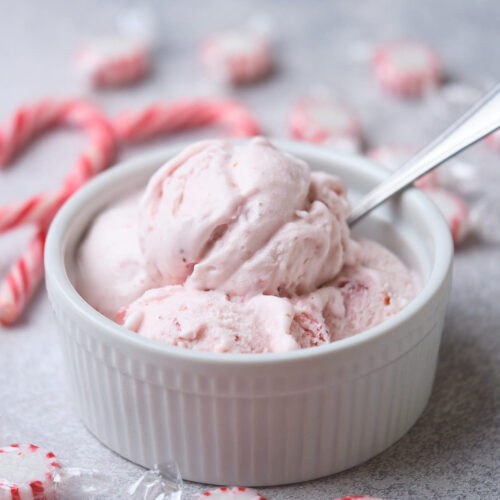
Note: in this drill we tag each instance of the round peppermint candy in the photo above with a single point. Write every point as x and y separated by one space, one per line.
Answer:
325 121
454 210
236 56
406 68
226 493
27 473
358 498
113 61
393 156
493 140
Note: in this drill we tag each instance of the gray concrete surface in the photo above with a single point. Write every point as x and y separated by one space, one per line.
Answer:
452 452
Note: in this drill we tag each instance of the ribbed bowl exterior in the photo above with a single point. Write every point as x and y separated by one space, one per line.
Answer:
261 419
254 425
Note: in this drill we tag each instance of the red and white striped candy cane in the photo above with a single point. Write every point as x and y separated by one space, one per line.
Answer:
20 131
164 118
22 279
25 125
30 121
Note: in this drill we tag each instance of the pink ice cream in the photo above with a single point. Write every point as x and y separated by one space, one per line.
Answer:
244 220
361 296
110 266
213 321
239 249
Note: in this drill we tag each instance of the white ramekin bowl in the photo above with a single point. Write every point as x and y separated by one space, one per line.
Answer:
255 419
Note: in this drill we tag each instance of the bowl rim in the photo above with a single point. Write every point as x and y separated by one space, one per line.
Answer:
56 270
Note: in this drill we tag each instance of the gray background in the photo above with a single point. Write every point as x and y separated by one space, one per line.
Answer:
452 452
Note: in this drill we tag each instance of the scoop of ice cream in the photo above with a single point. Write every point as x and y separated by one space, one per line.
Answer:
244 220
362 296
212 321
373 291
239 249
110 270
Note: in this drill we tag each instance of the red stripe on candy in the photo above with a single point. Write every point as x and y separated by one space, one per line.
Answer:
11 280
27 207
14 492
23 271
37 489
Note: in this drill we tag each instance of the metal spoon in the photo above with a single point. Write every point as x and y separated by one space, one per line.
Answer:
479 121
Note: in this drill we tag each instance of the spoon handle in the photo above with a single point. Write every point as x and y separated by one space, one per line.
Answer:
479 121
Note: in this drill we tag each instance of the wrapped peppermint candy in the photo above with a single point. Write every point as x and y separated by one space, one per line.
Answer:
321 118
120 57
239 55
28 472
227 493
161 483
407 68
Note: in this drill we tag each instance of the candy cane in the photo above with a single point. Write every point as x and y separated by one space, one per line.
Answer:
22 279
31 121
24 126
37 119
163 118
